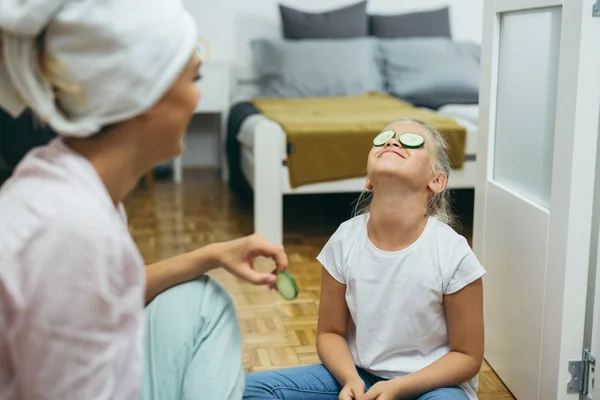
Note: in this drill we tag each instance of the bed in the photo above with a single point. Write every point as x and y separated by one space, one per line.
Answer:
258 147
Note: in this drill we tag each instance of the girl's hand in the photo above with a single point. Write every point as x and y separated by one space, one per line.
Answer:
352 390
237 257
384 390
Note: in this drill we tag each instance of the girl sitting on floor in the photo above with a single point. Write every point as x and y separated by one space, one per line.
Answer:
401 294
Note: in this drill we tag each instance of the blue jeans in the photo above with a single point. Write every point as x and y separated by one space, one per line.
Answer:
316 383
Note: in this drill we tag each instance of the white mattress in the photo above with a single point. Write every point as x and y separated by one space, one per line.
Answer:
466 115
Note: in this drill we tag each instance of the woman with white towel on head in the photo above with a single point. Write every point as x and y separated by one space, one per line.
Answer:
81 317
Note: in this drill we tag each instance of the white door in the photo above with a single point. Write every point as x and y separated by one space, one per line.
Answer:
540 106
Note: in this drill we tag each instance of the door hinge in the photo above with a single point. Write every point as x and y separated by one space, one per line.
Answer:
596 9
582 375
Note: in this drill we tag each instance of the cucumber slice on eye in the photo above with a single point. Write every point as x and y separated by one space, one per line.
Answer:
383 137
411 140
286 286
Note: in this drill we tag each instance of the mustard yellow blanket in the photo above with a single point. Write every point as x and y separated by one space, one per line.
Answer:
331 137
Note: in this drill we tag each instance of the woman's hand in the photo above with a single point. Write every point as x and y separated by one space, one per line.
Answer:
383 390
352 390
237 257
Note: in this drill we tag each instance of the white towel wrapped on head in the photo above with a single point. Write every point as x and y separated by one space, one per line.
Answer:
120 56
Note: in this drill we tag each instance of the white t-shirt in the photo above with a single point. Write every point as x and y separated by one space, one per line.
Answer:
395 299
71 284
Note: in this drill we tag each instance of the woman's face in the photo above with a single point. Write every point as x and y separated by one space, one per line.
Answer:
166 123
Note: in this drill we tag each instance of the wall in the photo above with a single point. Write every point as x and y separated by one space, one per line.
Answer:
218 22
201 142
228 25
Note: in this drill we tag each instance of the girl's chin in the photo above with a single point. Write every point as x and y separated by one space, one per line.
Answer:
388 172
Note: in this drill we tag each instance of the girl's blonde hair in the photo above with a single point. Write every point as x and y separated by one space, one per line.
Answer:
439 204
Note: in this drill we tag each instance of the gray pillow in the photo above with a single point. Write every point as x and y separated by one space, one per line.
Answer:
346 22
471 49
416 24
317 68
430 72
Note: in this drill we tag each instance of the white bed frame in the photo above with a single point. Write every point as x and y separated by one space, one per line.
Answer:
267 174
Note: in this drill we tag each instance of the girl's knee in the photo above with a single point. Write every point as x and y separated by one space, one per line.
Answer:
309 382
452 393
260 385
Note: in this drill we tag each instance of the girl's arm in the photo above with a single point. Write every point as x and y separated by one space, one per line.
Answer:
464 315
236 256
332 345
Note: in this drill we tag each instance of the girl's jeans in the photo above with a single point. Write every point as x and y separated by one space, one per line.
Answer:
316 383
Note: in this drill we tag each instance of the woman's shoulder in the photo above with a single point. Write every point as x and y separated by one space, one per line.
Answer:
57 243
34 210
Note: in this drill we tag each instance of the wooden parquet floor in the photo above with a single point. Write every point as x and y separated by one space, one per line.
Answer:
169 219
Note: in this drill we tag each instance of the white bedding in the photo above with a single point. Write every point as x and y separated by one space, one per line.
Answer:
466 115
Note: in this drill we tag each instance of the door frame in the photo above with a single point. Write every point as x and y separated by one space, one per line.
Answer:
571 204
592 323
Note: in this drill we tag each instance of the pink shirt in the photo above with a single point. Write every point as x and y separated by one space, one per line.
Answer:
71 284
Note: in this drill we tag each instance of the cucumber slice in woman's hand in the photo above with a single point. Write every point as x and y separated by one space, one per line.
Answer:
286 285
383 137
411 140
